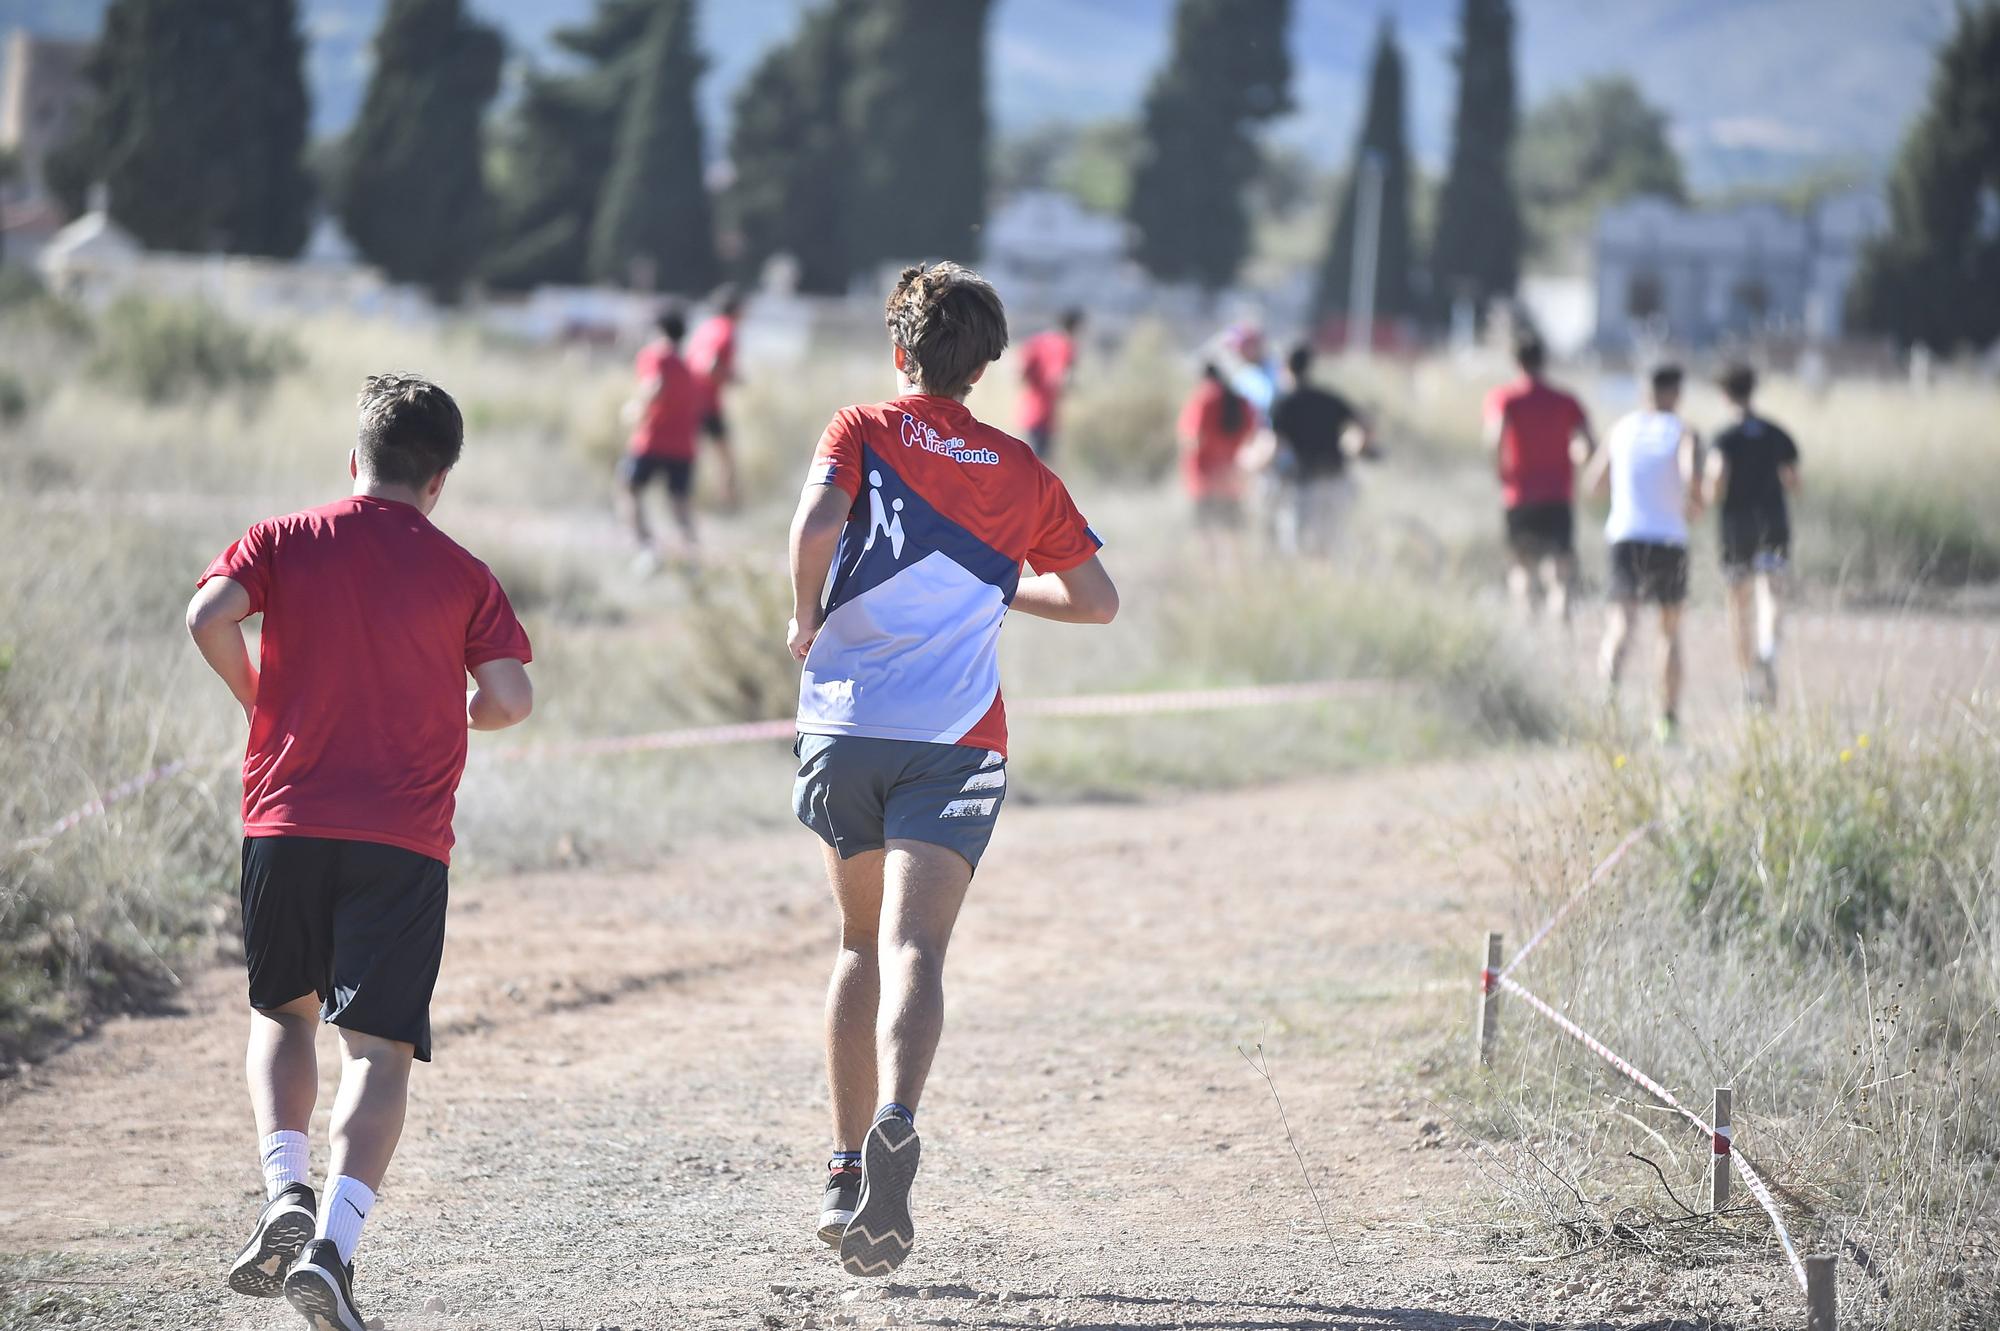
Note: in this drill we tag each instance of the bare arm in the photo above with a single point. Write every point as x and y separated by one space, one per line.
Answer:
1597 474
1081 595
215 621
1358 440
1718 477
1691 461
822 512
1589 438
503 696
1788 476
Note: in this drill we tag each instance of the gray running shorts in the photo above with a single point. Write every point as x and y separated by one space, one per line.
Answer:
858 793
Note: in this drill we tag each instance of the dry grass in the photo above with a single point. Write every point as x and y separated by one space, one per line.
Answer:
1816 926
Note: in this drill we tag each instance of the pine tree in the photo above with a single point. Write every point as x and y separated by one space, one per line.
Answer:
198 127
413 189
916 104
1229 71
654 220
1477 249
790 152
557 147
1384 139
1935 277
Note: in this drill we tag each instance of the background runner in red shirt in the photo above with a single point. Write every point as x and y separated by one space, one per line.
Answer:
1534 429
668 411
711 351
1046 361
358 715
1215 424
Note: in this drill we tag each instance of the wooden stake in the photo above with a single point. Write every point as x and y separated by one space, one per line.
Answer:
1489 1001
1822 1299
1719 1170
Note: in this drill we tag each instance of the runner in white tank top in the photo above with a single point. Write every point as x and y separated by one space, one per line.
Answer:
1649 465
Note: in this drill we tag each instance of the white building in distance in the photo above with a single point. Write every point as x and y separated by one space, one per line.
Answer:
1668 273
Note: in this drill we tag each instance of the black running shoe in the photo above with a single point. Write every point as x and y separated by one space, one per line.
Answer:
843 1194
284 1227
320 1287
880 1236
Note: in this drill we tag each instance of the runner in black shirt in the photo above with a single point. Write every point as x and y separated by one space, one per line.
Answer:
1317 432
1753 466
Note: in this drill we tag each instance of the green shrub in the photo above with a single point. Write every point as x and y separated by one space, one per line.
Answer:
169 351
13 398
1118 422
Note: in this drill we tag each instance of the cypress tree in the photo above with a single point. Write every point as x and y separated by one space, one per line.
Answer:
413 188
1229 71
654 212
1384 138
557 148
1935 277
790 152
198 126
1477 249
917 106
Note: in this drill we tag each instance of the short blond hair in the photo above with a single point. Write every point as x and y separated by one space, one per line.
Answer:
950 324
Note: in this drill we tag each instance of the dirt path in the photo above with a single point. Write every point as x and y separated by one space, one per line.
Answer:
626 1120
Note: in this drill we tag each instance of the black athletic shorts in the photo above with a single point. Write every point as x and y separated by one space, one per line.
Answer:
715 425
638 471
1649 571
1754 543
1538 531
356 922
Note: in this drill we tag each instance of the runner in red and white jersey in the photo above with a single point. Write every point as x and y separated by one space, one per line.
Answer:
923 518
711 353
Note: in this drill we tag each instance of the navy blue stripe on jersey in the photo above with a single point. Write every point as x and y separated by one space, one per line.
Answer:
891 527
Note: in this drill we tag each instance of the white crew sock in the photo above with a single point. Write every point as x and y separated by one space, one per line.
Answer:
286 1157
342 1212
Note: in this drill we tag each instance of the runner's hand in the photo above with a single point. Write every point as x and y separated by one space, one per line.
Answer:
800 635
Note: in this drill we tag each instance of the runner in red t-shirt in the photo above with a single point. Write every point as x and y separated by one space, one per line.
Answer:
668 411
1534 429
1215 423
358 715
1046 362
711 351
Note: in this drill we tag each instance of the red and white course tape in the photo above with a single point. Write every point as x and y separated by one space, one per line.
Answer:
751 732
1597 875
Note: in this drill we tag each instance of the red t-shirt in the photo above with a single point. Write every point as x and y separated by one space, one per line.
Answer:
668 426
372 617
712 353
1045 362
1210 469
1537 423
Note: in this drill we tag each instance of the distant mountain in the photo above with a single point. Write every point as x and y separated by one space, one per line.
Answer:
1759 90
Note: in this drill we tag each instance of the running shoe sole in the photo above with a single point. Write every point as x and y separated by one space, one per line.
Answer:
314 1295
881 1235
260 1269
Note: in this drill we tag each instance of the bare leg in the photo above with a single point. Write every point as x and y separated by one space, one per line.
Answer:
1558 572
923 887
1770 587
1521 586
1739 594
682 507
1617 639
852 995
1670 670
282 1065
368 1112
633 513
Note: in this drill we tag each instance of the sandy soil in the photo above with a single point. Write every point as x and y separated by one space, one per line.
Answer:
625 1125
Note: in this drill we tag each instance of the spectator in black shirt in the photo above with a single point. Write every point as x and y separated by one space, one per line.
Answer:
1317 432
1752 469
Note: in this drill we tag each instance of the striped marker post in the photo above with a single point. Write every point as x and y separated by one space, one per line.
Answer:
1719 1170
1822 1297
1489 1001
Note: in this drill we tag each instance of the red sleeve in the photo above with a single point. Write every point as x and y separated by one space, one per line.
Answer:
1194 416
247 563
1496 405
494 634
1065 539
837 459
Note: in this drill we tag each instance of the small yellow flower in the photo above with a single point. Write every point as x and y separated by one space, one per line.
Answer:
1617 762
1861 741
1847 755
